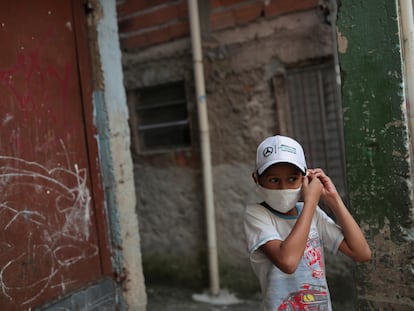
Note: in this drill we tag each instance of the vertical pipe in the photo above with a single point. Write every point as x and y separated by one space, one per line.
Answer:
205 146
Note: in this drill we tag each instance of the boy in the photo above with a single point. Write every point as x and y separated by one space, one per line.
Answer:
286 238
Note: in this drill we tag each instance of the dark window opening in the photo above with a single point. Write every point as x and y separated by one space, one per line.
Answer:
162 117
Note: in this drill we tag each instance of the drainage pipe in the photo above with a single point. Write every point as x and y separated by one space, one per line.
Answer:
407 39
205 146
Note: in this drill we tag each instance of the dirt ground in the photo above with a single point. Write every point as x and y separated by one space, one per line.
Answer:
180 299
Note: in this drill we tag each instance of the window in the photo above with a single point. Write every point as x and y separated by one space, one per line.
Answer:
309 108
162 117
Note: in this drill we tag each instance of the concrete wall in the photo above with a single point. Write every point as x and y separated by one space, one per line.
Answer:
378 150
240 60
111 115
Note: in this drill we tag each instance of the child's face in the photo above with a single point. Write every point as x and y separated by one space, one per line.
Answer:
281 176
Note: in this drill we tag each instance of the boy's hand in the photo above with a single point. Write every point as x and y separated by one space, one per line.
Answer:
312 188
329 191
354 243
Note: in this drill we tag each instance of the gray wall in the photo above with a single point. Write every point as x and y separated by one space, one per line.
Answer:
239 65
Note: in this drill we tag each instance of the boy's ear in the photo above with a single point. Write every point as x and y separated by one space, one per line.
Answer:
255 178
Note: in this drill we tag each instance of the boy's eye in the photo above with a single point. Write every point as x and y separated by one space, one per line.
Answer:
273 180
293 179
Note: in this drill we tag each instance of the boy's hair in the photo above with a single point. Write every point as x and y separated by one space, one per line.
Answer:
279 149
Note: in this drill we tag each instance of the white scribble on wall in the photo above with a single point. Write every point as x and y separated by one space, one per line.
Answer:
44 225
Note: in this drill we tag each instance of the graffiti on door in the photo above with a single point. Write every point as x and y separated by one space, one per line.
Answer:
52 218
62 238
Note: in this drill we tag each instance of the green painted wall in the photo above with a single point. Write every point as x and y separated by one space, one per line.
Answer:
377 150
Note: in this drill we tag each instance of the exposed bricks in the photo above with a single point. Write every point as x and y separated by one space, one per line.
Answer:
158 21
135 42
174 31
223 3
129 7
215 4
162 15
180 29
147 22
248 13
221 20
229 13
278 7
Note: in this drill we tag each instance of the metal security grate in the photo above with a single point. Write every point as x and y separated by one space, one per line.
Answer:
162 117
315 112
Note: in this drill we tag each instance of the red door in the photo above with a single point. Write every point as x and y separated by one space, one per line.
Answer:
52 226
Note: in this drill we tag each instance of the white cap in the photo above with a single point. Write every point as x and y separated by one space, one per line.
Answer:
279 149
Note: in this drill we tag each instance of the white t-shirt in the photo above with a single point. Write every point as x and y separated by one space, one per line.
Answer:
307 285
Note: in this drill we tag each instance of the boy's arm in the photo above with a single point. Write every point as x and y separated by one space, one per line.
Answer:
287 254
354 244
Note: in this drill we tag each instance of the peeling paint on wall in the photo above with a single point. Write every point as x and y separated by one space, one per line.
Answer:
342 43
112 115
378 151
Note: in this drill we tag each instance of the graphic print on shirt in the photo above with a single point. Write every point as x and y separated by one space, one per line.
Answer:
309 297
313 255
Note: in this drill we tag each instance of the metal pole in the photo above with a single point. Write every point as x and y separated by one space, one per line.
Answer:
205 146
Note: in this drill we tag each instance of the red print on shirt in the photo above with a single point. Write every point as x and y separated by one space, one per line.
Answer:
313 256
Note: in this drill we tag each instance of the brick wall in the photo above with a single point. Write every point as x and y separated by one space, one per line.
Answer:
148 22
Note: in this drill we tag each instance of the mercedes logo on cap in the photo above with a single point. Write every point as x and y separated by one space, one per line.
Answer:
268 151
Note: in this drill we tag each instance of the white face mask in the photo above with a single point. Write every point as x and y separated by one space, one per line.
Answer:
281 201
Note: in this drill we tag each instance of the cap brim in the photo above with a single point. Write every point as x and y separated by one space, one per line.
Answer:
264 167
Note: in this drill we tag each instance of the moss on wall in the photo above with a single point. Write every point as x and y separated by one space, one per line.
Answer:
189 273
174 271
377 148
375 124
239 280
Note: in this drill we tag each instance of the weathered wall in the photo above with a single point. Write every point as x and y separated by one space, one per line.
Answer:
149 23
66 174
239 63
377 150
111 117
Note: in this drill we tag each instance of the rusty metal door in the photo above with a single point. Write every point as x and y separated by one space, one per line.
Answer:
52 224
